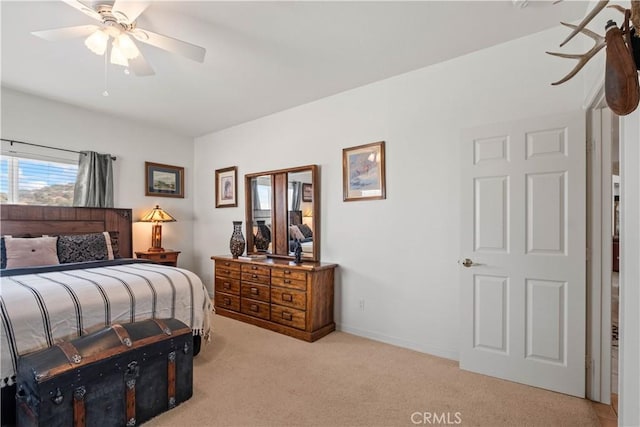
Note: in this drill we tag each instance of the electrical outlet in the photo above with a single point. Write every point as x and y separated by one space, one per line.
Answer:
361 304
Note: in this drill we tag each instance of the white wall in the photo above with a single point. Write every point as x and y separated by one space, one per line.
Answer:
33 119
629 375
400 254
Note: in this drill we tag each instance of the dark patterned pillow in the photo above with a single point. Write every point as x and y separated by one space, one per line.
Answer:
83 247
3 254
305 230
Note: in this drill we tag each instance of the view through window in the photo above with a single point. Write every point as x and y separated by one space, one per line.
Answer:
30 181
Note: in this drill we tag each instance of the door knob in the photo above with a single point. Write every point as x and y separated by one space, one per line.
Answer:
467 262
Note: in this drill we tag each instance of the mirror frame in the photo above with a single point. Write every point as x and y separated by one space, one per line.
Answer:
280 214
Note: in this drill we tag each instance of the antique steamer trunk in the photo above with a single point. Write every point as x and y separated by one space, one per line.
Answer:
122 375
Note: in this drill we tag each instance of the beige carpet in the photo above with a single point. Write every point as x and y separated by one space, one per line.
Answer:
248 376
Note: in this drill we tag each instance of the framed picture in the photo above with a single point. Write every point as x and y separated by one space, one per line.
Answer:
363 176
307 193
163 180
227 187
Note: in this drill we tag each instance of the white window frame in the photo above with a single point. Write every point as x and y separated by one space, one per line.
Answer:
13 157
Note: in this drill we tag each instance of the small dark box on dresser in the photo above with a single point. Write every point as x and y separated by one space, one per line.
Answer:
122 375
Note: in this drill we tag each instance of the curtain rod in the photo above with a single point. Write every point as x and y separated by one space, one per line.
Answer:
12 141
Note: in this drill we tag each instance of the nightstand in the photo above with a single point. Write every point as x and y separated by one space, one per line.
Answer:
168 257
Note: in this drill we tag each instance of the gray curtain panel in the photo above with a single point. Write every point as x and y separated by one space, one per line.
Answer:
94 184
296 197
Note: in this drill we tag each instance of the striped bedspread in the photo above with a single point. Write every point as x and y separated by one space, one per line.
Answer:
40 308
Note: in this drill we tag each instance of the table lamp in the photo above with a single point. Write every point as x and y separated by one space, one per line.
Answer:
157 216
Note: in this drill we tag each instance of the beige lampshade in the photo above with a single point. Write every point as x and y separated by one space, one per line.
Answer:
158 215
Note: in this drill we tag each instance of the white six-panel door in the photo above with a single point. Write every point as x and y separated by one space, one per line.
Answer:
523 298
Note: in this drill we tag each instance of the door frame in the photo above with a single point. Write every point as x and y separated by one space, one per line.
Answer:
599 250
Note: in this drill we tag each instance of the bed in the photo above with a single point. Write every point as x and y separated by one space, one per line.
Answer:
300 232
43 305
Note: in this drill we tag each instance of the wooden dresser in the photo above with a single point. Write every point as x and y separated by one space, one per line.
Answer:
295 300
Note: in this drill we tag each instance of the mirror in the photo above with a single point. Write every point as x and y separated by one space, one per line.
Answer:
300 211
281 206
261 197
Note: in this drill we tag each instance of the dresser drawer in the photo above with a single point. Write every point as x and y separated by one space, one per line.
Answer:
255 278
255 308
227 272
289 273
286 282
228 265
288 316
261 270
289 297
228 285
253 291
228 301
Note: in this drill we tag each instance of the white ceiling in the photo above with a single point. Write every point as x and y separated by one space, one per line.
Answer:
262 57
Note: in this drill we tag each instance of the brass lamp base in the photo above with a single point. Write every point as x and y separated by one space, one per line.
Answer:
155 250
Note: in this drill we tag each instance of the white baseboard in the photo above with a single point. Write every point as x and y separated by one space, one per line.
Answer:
447 354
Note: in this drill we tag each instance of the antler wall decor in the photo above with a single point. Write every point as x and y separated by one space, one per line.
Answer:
622 89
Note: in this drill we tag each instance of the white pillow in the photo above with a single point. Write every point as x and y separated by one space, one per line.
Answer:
31 252
295 233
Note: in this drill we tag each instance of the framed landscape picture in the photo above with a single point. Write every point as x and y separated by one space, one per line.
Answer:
363 172
227 187
163 180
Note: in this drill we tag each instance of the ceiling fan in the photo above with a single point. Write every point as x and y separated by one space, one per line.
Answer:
116 31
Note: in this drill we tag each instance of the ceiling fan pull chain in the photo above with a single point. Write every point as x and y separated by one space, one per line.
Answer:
106 92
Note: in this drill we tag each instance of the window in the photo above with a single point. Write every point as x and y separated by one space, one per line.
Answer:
264 194
37 180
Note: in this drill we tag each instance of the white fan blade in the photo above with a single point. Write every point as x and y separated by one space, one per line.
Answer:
140 66
170 44
84 9
66 32
130 10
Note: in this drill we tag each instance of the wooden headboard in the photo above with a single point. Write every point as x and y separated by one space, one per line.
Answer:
56 220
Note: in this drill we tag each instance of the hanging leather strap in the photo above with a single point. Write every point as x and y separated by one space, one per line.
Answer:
171 379
79 414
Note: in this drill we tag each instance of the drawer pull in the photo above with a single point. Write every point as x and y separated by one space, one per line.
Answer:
287 297
226 271
227 301
227 264
255 308
287 272
226 285
287 281
254 276
253 267
163 256
254 291
286 316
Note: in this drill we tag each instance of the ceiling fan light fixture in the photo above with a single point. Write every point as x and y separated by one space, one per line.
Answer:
117 57
97 42
127 46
